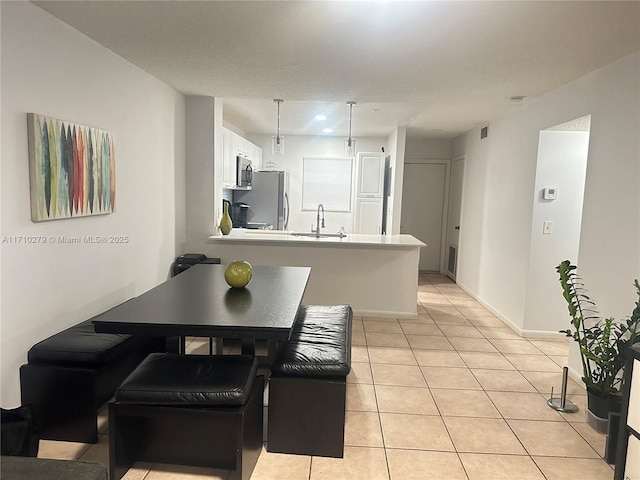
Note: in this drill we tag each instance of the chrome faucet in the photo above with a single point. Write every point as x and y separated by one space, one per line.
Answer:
318 225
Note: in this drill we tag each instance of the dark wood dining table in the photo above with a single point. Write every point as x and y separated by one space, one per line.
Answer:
199 303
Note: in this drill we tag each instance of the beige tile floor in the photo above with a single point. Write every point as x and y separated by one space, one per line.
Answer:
452 394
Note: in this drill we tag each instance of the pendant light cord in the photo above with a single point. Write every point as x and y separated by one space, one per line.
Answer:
278 101
351 104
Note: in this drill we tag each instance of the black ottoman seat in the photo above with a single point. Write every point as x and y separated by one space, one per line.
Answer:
170 379
307 389
79 345
320 344
72 374
199 410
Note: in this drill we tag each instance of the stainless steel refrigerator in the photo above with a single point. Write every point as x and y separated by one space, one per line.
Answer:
268 201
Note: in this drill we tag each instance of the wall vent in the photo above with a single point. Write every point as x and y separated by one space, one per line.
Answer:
451 263
484 132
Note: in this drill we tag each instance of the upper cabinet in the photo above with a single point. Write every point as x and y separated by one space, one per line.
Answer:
233 146
369 201
228 158
370 177
256 157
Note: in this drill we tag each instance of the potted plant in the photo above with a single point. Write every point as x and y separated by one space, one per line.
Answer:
603 343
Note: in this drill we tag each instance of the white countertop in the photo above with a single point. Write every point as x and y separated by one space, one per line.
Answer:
274 237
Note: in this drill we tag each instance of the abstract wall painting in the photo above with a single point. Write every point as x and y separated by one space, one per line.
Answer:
72 169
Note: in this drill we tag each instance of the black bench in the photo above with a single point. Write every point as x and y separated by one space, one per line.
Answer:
307 389
71 374
199 410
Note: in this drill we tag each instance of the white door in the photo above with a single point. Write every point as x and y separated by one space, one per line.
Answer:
453 222
370 174
368 215
423 209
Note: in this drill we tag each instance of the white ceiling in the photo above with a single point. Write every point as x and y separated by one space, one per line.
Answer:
439 68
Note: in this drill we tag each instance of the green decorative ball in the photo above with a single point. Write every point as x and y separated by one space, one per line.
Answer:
238 274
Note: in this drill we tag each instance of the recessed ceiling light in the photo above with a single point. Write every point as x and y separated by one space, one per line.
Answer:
327 130
320 117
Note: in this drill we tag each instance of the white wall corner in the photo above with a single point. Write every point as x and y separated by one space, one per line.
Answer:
397 137
200 151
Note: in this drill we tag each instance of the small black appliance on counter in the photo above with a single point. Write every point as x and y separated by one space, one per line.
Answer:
188 260
239 212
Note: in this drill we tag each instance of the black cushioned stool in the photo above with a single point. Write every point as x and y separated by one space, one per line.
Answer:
73 373
307 389
198 410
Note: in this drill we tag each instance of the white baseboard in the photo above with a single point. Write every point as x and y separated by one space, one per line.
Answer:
575 375
533 334
493 310
540 334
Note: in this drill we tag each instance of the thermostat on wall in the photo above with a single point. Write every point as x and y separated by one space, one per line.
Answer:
550 193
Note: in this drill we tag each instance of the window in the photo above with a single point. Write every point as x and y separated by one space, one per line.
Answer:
327 181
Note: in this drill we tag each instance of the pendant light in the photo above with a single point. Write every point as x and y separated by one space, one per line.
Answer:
350 143
277 142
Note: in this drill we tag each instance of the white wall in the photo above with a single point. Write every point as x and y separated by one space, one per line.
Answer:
396 140
500 182
51 69
562 164
428 148
203 175
296 148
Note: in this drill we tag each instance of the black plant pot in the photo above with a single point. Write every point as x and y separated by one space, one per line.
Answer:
602 406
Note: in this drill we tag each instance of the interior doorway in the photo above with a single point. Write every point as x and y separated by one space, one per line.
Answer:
424 206
453 218
556 220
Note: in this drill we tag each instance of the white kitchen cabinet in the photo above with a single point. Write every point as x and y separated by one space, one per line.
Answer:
368 215
242 146
228 158
370 179
256 157
369 193
233 146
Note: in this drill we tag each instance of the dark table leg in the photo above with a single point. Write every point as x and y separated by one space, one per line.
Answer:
272 350
216 346
248 346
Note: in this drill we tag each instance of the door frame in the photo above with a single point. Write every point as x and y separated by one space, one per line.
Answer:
458 249
445 204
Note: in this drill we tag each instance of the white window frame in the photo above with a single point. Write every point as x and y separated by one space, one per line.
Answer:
329 181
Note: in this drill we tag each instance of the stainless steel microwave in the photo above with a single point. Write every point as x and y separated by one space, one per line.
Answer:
244 172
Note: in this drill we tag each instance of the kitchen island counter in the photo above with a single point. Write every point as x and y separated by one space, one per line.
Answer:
376 274
241 236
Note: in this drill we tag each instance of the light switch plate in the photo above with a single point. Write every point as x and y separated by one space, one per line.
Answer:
547 227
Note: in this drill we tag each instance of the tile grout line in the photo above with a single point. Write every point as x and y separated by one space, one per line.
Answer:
493 403
384 445
455 448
